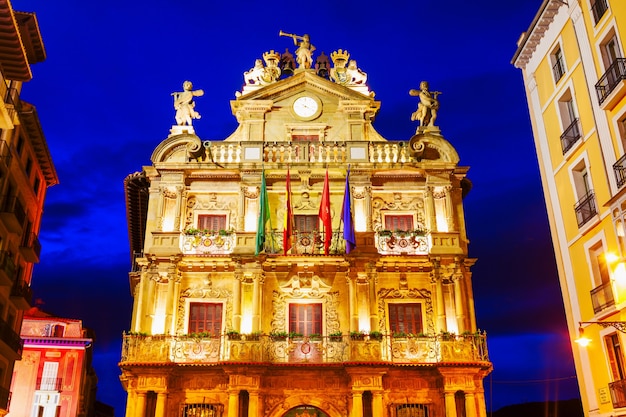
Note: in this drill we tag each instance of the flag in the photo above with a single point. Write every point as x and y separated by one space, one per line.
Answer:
264 216
288 223
346 217
324 215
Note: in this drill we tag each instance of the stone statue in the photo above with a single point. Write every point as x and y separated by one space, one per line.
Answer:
426 112
184 104
339 73
356 75
305 49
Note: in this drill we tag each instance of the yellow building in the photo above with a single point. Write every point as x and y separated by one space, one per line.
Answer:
573 66
235 316
26 170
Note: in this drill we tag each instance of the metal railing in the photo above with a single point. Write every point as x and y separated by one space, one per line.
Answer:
12 204
619 168
322 349
602 297
611 79
618 393
7 264
32 241
49 384
10 338
570 136
598 9
22 290
305 243
585 208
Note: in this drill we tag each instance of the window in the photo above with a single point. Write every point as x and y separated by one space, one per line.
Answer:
405 318
58 330
306 223
558 64
29 166
36 185
305 319
610 51
585 207
411 410
602 293
212 222
49 376
615 356
598 8
399 221
201 410
19 147
571 129
205 317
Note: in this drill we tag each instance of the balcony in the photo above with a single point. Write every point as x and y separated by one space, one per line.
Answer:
618 393
611 86
570 136
49 384
5 156
7 269
210 243
619 168
305 243
10 338
598 9
402 242
5 398
602 297
22 295
585 208
31 248
296 350
12 213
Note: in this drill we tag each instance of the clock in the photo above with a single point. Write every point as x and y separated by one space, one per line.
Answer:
306 107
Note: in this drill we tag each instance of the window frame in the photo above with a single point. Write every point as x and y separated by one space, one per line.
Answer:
392 323
306 326
197 302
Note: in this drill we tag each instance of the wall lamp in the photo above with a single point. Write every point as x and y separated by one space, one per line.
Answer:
584 341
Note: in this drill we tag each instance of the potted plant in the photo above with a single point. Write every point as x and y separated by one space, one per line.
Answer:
295 335
400 335
279 335
192 231
254 335
233 335
385 232
357 335
376 335
336 336
315 336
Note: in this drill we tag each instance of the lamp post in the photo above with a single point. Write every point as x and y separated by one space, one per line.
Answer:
584 341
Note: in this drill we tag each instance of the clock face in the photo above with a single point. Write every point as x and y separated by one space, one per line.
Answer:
305 107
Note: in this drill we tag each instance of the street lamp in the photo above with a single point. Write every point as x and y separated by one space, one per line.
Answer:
584 341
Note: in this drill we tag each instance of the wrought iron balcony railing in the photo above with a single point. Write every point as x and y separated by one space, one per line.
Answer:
323 349
400 241
570 136
49 384
618 393
8 270
208 243
602 297
10 338
22 295
585 208
598 9
611 79
619 168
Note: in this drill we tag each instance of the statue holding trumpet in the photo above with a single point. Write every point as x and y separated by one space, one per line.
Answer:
304 51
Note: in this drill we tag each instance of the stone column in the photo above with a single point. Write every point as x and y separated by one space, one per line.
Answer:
233 403
354 317
470 405
169 313
177 210
159 212
440 305
482 405
253 404
357 404
449 208
459 304
431 214
161 404
450 404
377 403
256 298
140 405
372 302
237 301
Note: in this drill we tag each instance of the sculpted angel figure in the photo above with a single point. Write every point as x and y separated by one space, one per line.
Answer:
426 112
184 104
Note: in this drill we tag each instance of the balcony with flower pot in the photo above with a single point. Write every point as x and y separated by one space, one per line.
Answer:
409 242
208 242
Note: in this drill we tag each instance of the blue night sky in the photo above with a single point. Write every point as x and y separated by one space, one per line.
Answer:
103 97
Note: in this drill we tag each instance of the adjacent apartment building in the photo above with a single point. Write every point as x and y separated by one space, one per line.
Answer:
304 265
26 171
574 70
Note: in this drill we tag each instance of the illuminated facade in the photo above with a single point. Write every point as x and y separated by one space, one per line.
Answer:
26 170
573 65
54 378
317 328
